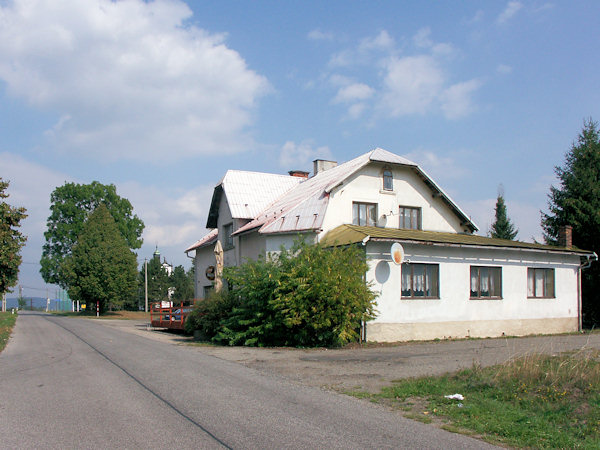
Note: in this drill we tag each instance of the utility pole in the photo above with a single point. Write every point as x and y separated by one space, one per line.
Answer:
146 283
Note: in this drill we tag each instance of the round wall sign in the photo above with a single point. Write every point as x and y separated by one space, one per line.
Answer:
210 272
397 252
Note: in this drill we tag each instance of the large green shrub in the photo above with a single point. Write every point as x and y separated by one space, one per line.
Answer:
305 296
207 314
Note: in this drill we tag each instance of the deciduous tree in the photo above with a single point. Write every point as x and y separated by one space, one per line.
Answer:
576 202
71 205
101 266
11 240
182 283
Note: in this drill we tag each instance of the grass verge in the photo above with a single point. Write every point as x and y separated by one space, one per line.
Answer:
7 322
536 401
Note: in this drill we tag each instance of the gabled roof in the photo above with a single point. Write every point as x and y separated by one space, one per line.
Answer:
248 193
353 234
303 207
209 239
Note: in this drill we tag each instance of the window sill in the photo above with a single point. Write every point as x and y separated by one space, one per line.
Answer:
419 298
385 191
541 298
485 298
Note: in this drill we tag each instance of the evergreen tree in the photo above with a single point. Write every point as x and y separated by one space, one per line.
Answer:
11 240
101 266
576 202
502 228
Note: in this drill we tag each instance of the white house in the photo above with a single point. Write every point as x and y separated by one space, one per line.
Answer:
450 282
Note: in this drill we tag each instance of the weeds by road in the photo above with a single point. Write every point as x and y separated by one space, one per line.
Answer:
537 401
7 322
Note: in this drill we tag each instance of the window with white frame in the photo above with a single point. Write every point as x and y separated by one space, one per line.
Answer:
540 283
227 237
486 282
364 214
388 180
410 218
420 281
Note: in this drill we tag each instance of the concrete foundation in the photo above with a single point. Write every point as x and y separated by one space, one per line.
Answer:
394 332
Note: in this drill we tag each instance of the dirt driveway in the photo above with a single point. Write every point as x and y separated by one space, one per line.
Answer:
370 368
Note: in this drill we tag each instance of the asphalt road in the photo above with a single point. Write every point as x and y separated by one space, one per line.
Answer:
75 383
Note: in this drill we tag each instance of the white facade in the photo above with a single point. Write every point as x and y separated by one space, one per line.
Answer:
324 207
454 313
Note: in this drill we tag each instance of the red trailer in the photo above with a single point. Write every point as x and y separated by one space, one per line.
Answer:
168 315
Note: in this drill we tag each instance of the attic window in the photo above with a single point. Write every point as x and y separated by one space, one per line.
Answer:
388 180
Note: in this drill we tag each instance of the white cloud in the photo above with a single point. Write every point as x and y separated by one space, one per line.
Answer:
457 99
411 85
422 38
438 167
299 156
128 79
318 35
511 9
365 52
504 69
400 84
353 92
173 219
383 41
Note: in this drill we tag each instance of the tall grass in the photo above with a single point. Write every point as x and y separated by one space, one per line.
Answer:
7 322
539 401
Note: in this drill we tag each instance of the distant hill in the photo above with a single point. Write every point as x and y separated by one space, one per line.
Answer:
38 303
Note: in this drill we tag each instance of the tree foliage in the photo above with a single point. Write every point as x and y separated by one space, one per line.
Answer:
502 228
576 202
306 296
71 204
11 240
182 284
158 280
101 267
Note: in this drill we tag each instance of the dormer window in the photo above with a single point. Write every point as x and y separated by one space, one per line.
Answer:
388 180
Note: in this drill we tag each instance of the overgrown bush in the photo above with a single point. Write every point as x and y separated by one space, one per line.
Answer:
208 313
305 296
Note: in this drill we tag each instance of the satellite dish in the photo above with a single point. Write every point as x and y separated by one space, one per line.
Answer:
397 253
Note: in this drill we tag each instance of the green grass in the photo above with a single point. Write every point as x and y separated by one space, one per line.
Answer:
536 401
7 322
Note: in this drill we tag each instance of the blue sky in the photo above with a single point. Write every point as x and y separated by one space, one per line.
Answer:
161 98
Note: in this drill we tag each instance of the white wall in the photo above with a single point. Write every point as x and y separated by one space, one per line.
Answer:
204 257
454 314
409 190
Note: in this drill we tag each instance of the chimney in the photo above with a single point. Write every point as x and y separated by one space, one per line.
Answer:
565 236
321 165
298 173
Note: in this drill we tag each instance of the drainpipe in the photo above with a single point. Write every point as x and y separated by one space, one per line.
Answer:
590 258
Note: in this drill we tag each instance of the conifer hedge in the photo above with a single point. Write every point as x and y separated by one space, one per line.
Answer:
306 296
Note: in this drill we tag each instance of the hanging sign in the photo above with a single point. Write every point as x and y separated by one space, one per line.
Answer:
397 253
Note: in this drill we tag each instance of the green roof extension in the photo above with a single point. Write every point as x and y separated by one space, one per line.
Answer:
352 234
